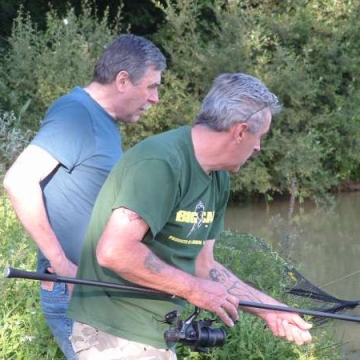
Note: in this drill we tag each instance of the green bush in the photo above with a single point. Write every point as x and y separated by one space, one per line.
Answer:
306 52
177 107
42 65
12 139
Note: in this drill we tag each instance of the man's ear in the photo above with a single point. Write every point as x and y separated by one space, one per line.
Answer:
122 79
239 131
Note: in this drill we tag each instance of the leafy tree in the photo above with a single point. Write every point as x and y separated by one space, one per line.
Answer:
42 65
307 53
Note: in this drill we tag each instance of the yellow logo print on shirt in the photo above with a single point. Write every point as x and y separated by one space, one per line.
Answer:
191 217
197 217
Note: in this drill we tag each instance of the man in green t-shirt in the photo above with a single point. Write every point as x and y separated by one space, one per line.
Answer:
155 223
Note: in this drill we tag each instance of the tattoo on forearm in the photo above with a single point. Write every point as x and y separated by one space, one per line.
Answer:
131 215
233 286
234 289
217 276
153 263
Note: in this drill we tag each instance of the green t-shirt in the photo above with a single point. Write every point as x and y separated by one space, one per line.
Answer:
161 180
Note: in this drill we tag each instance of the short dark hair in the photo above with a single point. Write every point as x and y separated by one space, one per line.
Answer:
130 53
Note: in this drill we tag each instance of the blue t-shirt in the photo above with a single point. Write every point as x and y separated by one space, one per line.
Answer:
86 141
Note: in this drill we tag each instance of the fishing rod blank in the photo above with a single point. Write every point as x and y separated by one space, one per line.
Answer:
10 272
299 311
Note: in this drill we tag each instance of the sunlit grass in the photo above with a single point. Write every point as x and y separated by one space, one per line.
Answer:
23 330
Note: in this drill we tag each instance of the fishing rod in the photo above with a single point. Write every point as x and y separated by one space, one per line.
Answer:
10 272
299 311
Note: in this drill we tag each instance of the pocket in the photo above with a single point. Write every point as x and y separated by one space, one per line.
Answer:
47 285
83 337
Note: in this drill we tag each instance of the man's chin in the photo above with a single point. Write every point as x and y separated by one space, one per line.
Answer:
235 169
134 119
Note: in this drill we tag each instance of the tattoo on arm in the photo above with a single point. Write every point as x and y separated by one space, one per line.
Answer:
218 276
231 283
153 263
224 277
130 215
234 289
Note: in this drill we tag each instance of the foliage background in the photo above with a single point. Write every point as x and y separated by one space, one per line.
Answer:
307 52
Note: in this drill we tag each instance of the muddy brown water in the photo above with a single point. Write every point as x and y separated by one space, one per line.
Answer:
325 243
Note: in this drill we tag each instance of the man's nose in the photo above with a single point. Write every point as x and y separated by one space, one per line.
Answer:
257 148
154 96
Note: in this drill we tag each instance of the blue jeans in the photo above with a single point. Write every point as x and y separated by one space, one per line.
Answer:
54 305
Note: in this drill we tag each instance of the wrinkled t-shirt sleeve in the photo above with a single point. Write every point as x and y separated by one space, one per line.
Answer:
67 135
149 188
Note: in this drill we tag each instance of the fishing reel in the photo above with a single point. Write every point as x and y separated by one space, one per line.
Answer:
198 335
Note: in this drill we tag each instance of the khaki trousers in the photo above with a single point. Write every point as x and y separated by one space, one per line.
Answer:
92 344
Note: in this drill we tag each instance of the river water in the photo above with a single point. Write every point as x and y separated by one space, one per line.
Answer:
325 243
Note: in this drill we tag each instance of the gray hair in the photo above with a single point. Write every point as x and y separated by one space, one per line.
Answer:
130 53
237 98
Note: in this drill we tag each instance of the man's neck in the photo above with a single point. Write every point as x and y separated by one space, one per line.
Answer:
103 95
210 147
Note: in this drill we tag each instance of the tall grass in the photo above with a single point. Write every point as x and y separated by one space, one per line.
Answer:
24 333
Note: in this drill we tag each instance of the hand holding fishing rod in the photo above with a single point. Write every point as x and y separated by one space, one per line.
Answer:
198 335
10 272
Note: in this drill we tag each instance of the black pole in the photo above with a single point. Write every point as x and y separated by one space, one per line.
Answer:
299 311
10 272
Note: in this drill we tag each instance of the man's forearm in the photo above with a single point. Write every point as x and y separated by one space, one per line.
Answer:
121 249
143 267
29 207
239 288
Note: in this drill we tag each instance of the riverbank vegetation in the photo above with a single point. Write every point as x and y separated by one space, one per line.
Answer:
307 52
25 335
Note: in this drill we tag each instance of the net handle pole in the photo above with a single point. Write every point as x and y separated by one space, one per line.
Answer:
10 272
298 311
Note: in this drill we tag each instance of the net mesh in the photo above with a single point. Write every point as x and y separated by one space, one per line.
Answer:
258 264
314 297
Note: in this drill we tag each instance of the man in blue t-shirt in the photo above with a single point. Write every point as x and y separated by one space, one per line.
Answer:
54 182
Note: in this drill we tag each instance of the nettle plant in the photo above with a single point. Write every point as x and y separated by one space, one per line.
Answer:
12 138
